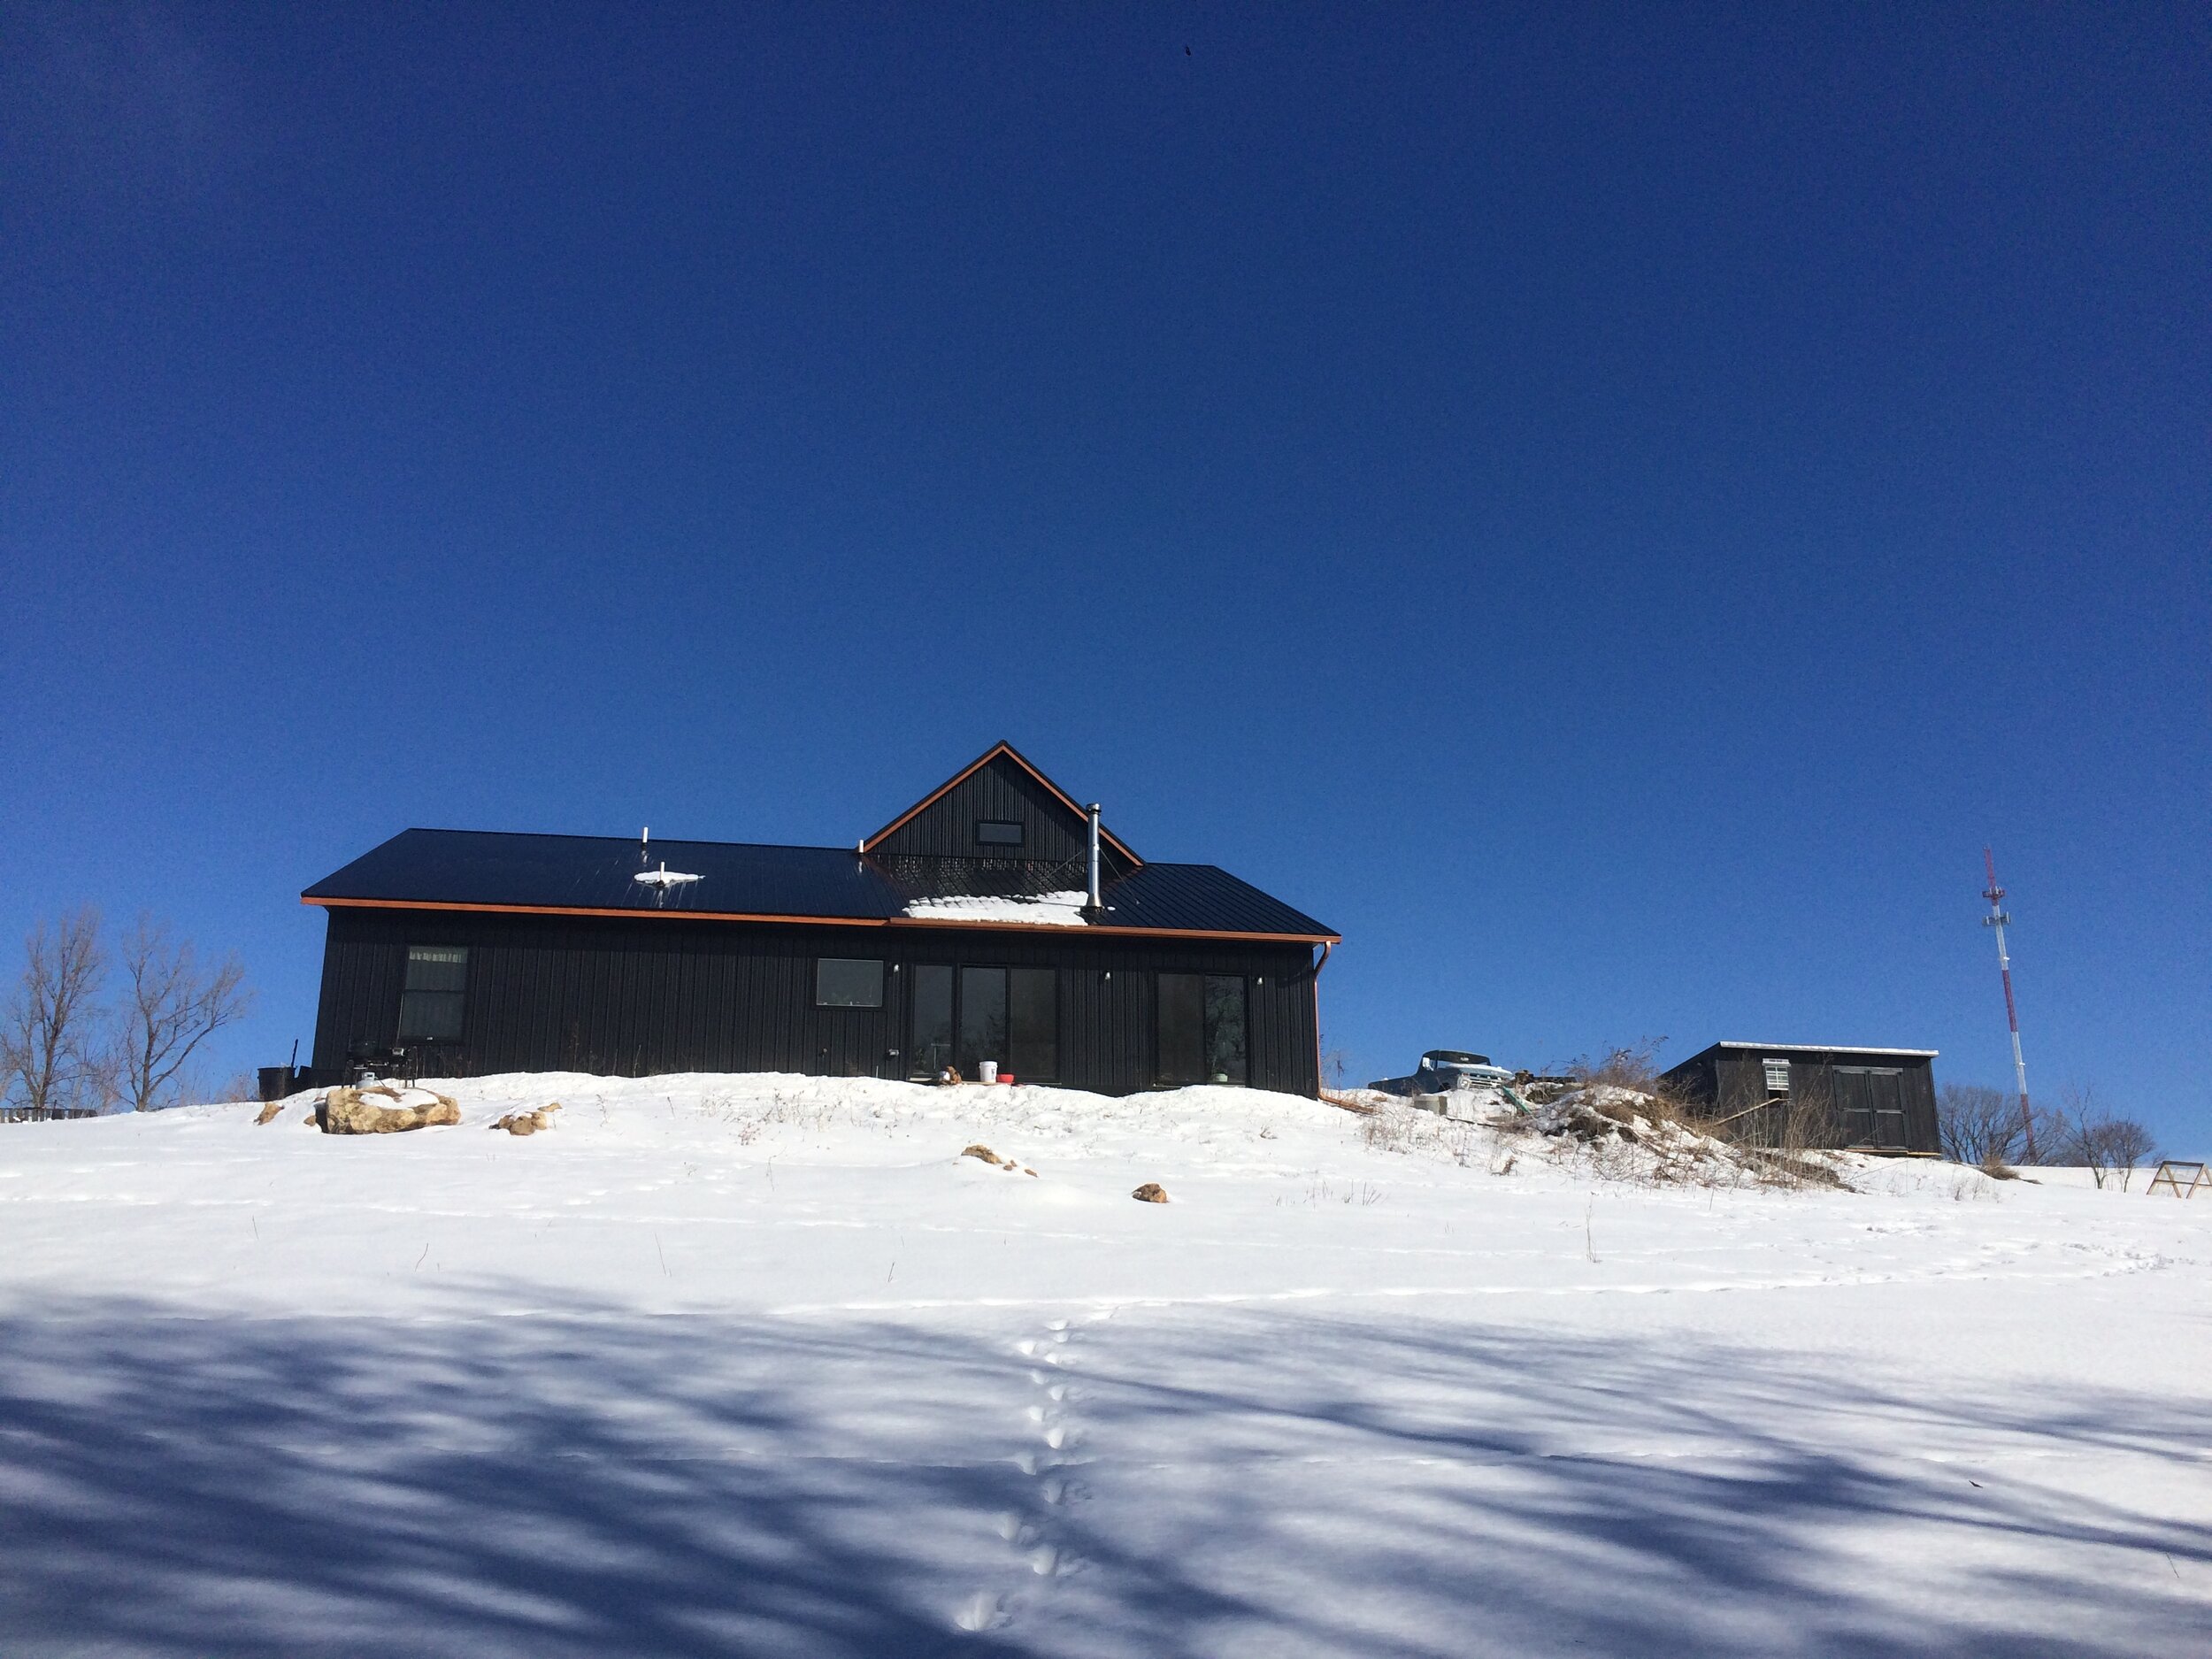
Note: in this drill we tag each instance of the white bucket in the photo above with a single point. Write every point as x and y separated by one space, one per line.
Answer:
986 1072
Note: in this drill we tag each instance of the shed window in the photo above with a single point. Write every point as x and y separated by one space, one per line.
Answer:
848 982
998 832
1202 1028
1777 1076
434 1000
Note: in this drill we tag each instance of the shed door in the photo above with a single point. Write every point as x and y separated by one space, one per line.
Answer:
1871 1099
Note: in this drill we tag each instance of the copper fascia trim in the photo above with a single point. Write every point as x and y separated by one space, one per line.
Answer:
1093 930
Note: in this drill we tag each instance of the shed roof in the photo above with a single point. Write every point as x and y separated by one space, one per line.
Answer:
1817 1048
592 875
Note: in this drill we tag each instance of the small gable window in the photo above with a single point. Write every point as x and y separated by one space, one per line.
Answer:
432 1004
998 832
848 982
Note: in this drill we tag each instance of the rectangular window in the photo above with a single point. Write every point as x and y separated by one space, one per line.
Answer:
432 1004
1777 1076
1225 1028
848 982
1032 1035
930 1045
982 1020
1182 1027
998 832
1203 1028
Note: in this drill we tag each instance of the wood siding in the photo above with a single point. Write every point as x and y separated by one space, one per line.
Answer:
1733 1081
999 790
650 996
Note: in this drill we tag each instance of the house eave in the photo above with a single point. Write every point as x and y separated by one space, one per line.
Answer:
931 924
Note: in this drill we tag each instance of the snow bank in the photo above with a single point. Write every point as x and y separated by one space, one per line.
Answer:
762 1364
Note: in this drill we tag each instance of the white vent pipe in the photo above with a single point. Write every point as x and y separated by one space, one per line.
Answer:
1094 907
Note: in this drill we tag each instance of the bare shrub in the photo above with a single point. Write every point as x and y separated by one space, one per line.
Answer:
2128 1147
171 1004
49 1034
1636 1067
1976 1124
1634 1071
1383 1131
1333 1063
2113 1148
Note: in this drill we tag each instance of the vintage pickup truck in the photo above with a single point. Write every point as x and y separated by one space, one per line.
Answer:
1456 1084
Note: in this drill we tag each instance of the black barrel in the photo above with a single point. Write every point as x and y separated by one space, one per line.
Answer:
276 1081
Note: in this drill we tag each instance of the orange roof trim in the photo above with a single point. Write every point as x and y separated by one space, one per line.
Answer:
978 764
816 921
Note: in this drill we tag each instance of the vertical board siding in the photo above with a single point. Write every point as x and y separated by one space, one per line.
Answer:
628 998
1732 1081
1001 790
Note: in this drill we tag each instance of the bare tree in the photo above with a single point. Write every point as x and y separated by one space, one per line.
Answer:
48 1035
1977 1124
2128 1147
171 1005
1332 1064
2112 1147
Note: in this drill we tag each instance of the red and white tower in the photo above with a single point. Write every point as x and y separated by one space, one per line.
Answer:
1997 919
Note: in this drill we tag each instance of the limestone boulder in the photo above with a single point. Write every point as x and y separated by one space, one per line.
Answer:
383 1110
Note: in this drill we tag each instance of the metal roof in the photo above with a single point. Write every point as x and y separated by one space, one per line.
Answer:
1822 1048
491 870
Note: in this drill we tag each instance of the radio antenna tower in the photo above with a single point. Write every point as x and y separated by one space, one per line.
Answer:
1997 919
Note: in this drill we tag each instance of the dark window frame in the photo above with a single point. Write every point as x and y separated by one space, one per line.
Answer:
1201 1024
1027 1047
822 997
984 838
430 1011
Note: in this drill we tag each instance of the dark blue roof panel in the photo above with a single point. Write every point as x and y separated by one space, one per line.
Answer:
571 873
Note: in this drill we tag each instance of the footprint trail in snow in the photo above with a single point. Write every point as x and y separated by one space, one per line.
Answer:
1032 1533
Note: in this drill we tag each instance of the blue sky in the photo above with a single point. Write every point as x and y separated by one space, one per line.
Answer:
1609 511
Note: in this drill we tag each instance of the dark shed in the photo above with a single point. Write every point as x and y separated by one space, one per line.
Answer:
1871 1099
955 934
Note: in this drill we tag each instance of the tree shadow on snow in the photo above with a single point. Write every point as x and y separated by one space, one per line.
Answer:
586 1480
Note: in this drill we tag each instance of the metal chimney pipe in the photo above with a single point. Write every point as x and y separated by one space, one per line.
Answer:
1095 906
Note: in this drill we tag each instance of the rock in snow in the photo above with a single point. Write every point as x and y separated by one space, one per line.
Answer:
353 1111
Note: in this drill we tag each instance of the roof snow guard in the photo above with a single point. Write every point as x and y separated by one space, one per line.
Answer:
738 881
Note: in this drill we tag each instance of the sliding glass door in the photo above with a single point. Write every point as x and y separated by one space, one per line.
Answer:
965 1015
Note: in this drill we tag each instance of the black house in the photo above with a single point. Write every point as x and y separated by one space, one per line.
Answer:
1869 1100
993 920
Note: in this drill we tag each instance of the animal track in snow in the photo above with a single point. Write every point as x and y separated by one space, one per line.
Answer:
983 1610
1030 1536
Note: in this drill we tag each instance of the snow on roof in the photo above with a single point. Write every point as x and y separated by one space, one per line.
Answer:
1830 1048
1042 909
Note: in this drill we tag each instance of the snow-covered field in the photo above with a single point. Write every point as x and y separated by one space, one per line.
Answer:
763 1365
